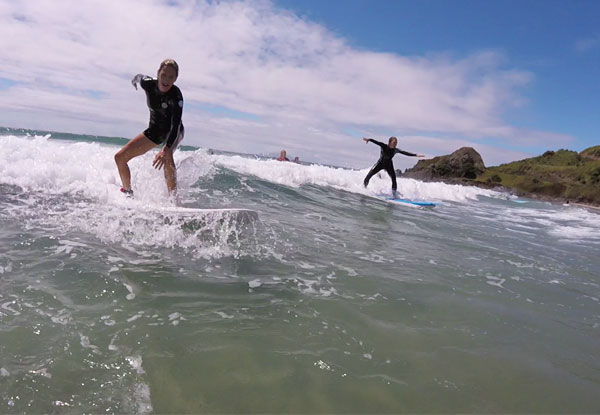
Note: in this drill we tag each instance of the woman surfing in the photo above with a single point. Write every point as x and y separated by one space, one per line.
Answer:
165 103
388 151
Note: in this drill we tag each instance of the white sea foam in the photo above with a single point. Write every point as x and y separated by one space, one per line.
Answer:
135 316
42 372
63 317
224 315
572 224
140 400
7 268
129 287
86 344
54 167
254 283
175 318
7 306
495 281
50 168
296 175
136 364
89 168
142 404
107 321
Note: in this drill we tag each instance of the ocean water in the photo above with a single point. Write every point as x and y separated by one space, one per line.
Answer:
332 301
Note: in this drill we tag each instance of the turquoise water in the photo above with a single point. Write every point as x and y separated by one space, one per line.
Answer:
332 301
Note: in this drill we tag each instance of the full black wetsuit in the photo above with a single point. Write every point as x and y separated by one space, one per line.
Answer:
385 162
165 113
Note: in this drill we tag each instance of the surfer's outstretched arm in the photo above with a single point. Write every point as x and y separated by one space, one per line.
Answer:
370 140
406 153
142 80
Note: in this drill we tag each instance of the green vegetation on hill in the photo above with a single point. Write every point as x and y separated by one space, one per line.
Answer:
591 153
557 174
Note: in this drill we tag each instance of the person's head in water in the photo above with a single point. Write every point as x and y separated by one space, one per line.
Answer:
393 142
167 74
283 156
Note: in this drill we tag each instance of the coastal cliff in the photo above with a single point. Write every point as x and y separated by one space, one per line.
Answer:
555 175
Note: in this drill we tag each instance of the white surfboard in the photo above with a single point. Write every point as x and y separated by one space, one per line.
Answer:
188 217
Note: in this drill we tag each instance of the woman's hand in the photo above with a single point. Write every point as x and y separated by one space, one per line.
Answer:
160 159
136 80
366 140
420 155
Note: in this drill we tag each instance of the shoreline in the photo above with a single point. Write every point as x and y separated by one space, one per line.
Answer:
562 176
516 192
594 208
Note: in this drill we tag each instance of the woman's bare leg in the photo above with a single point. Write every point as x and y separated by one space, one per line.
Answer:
136 147
170 173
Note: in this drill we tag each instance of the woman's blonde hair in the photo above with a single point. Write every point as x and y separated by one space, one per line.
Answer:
171 63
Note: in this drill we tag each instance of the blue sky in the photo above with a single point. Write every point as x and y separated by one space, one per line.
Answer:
510 78
557 41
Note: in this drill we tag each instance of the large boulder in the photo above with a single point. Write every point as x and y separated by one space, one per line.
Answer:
464 163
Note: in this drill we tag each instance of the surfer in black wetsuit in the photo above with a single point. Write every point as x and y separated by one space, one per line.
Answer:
165 102
388 151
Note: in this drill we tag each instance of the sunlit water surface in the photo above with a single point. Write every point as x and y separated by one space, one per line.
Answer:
331 301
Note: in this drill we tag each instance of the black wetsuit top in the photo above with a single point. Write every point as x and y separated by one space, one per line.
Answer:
385 162
387 153
165 112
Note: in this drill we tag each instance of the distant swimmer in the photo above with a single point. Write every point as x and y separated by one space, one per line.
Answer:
388 151
283 156
165 102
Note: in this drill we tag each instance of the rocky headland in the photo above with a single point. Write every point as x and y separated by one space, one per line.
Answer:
561 175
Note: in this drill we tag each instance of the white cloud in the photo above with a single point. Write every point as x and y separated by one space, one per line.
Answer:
587 44
73 59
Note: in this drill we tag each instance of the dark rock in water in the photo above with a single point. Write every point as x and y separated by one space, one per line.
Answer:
464 163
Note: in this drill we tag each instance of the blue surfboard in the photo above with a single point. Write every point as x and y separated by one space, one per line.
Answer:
411 202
